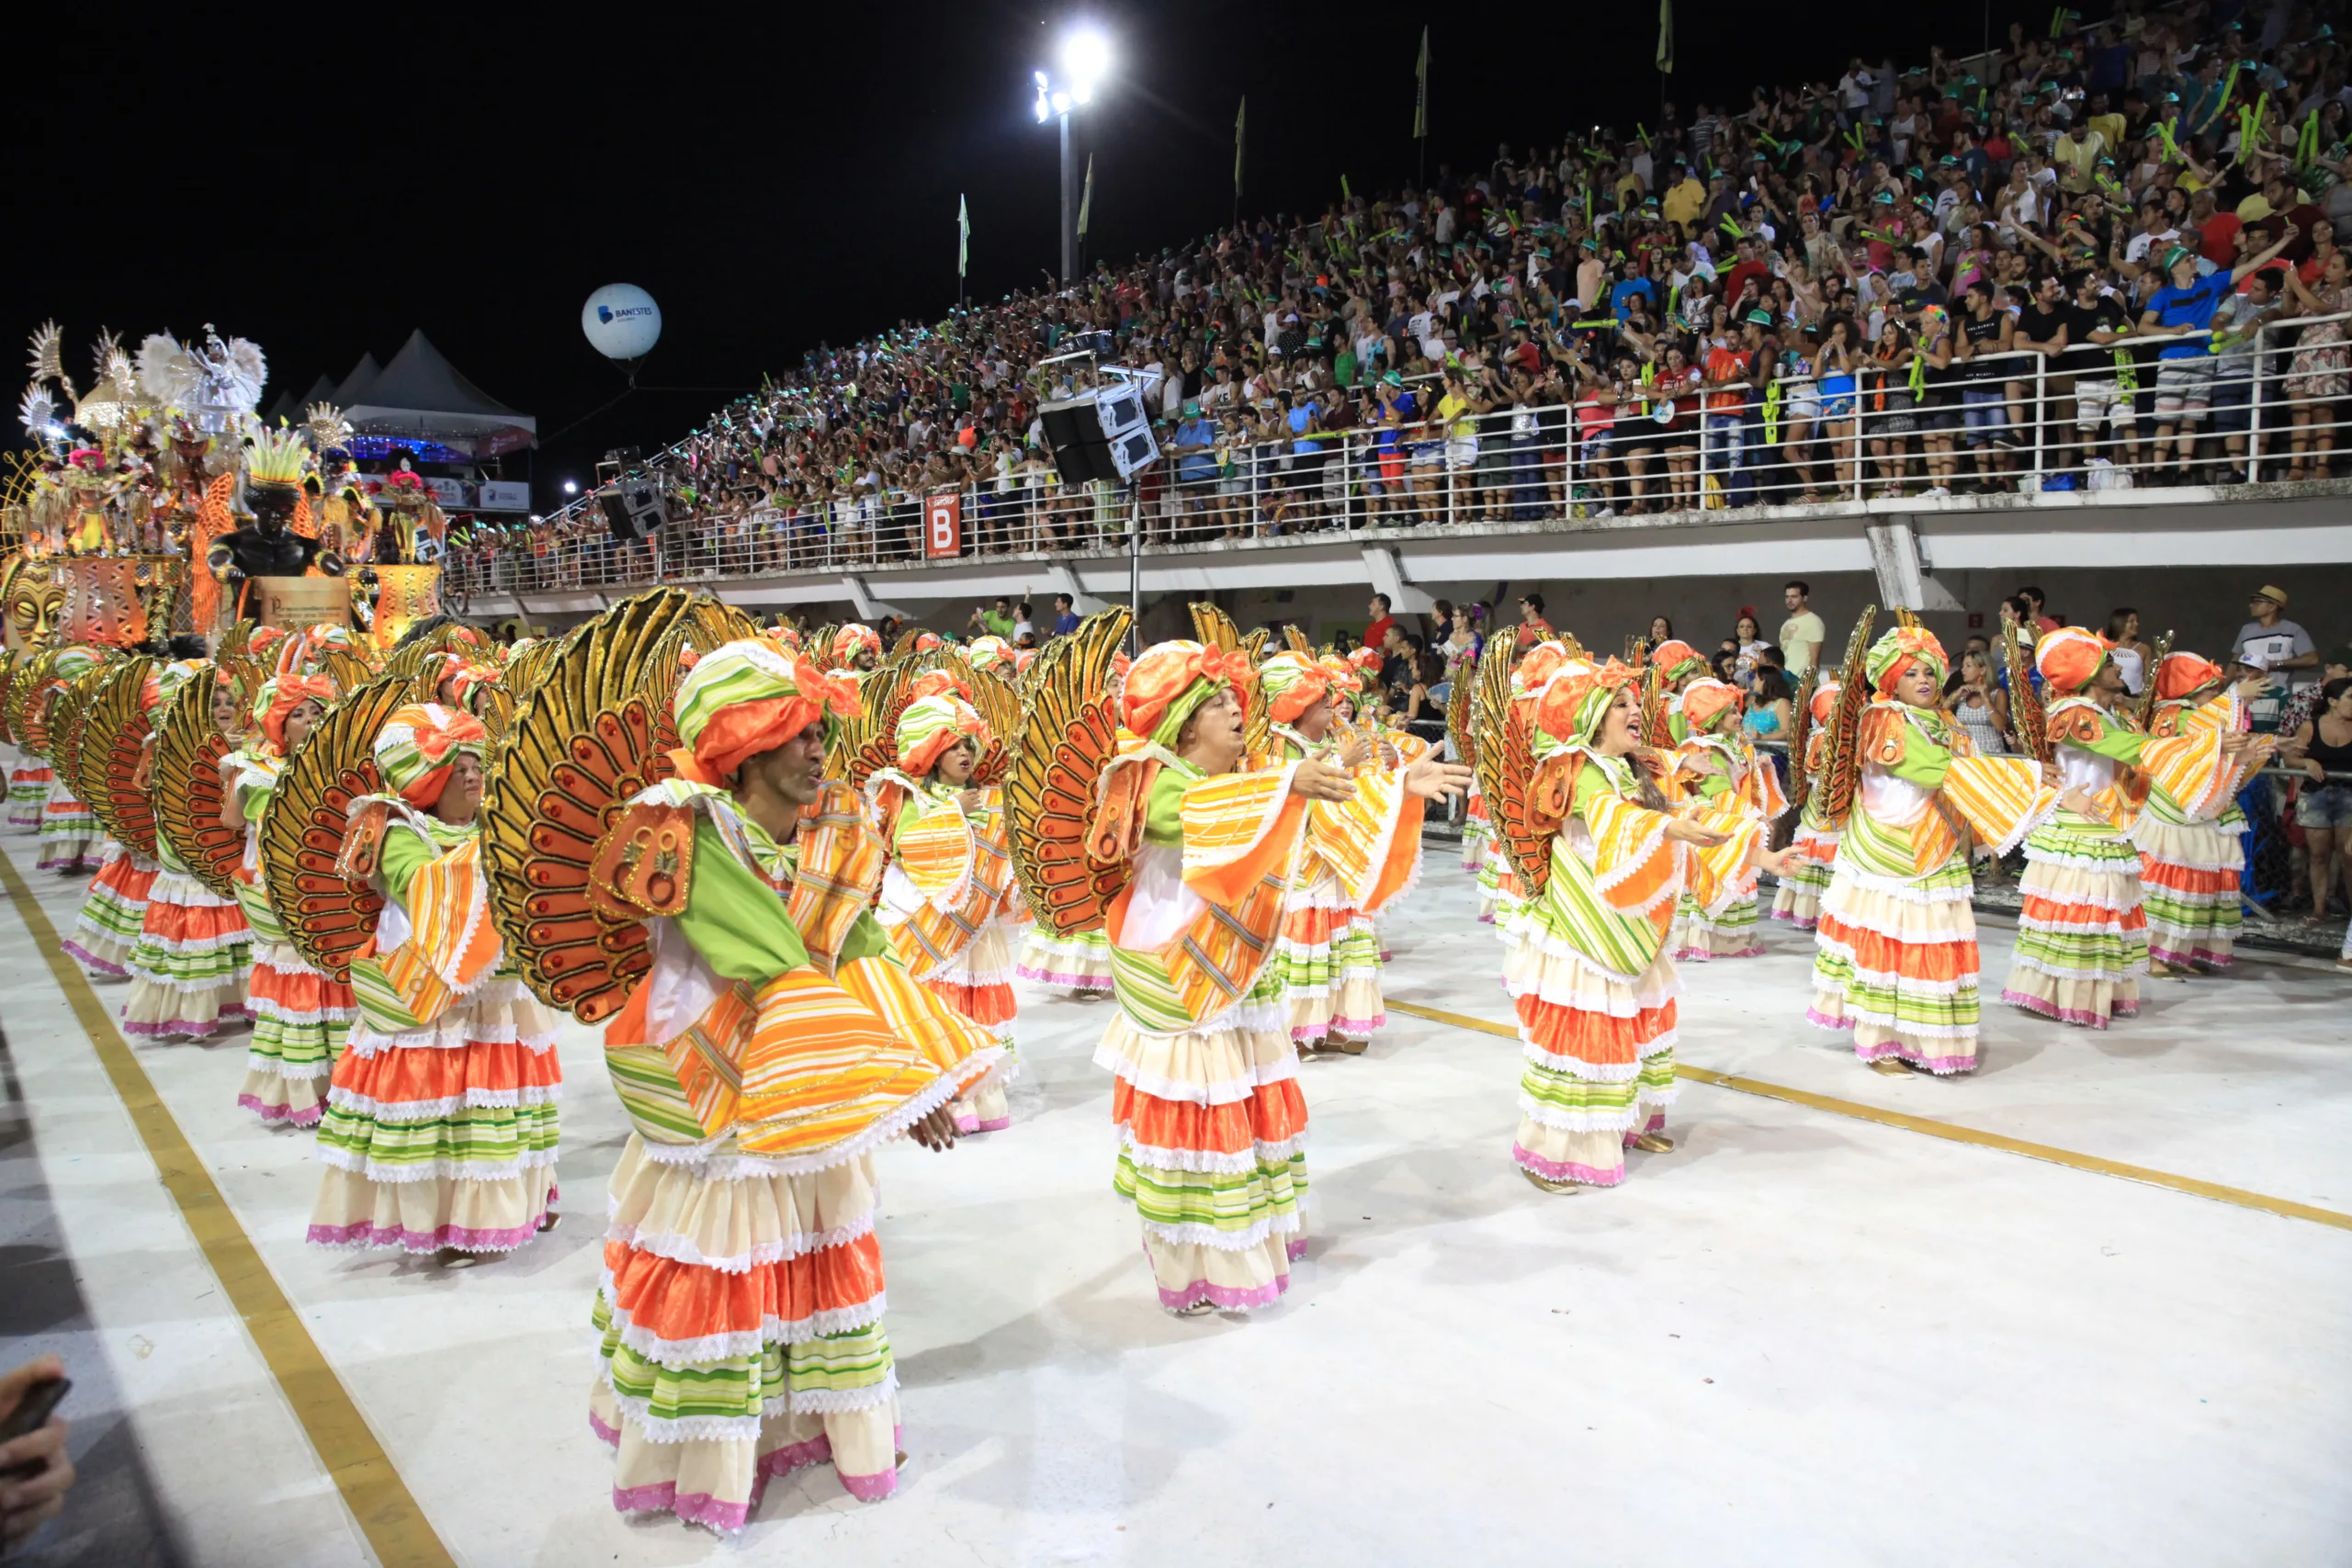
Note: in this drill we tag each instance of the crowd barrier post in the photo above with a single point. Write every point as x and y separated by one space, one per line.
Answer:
2040 412
2254 408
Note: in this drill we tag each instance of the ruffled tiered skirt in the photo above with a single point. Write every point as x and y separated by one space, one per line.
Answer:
740 1310
1798 898
69 832
1895 962
1730 932
978 985
444 1136
1477 832
1212 1129
27 790
2083 933
1327 962
1599 1058
187 969
2190 878
300 1019
113 913
1499 899
1081 964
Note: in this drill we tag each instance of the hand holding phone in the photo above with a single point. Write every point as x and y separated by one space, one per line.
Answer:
34 1468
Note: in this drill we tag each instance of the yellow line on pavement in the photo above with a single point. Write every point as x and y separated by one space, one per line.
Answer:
1946 1130
386 1511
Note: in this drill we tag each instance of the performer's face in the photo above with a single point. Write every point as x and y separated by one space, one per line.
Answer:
461 796
298 724
794 770
1314 720
1216 743
1916 685
955 763
1618 725
225 709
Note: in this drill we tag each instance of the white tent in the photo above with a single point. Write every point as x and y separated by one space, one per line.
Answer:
421 395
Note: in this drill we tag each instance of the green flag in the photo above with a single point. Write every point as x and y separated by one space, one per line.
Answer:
1086 197
1421 92
1240 140
1666 36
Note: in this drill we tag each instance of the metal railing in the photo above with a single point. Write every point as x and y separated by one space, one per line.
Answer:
2266 407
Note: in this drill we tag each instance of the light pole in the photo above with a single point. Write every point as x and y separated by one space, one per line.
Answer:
1086 57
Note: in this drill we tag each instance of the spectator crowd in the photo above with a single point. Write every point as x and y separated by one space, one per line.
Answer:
2105 257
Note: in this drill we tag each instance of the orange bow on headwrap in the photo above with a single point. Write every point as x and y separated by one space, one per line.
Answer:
1291 684
1163 679
1366 661
2183 675
1825 701
1704 702
1572 699
2069 657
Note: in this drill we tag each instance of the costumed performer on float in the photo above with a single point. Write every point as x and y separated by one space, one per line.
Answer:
856 649
1590 977
440 1129
949 903
1895 958
187 969
2083 933
1717 762
1797 900
775 1045
1206 1101
300 1016
2190 866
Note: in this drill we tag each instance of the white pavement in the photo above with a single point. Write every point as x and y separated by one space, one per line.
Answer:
1801 1338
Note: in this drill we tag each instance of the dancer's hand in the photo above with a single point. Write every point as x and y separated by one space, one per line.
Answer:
1682 831
936 1131
1321 781
1430 778
1356 752
31 1502
1775 861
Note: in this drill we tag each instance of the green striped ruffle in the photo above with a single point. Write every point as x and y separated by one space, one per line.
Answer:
190 971
278 1044
831 1371
104 911
2168 909
648 1090
2086 953
1563 1100
1356 947
254 900
1234 1206
1889 1003
470 1135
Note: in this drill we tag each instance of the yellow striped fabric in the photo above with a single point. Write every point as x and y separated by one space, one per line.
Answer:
2001 798
452 946
839 865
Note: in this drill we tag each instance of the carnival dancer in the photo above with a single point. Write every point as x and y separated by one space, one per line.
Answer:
2083 933
948 896
439 1135
114 909
300 1016
1797 900
1896 957
2190 867
856 649
187 969
1716 762
775 1045
70 833
1501 896
1206 1101
1590 978
1328 958
1677 665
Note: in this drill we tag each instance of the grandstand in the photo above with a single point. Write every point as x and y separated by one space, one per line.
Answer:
1893 326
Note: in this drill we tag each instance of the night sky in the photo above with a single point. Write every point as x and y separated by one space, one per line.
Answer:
777 181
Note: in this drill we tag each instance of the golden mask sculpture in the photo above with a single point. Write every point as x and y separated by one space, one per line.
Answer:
32 597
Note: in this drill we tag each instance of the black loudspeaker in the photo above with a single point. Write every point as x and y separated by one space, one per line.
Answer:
632 508
1104 435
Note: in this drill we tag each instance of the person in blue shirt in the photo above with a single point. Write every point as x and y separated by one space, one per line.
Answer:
1065 615
2184 309
1626 290
1194 448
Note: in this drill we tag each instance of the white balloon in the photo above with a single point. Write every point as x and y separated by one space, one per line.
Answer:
622 321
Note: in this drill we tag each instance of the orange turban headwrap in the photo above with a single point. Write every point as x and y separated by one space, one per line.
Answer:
745 698
1674 659
281 696
1161 686
2185 674
419 748
1704 702
2069 657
